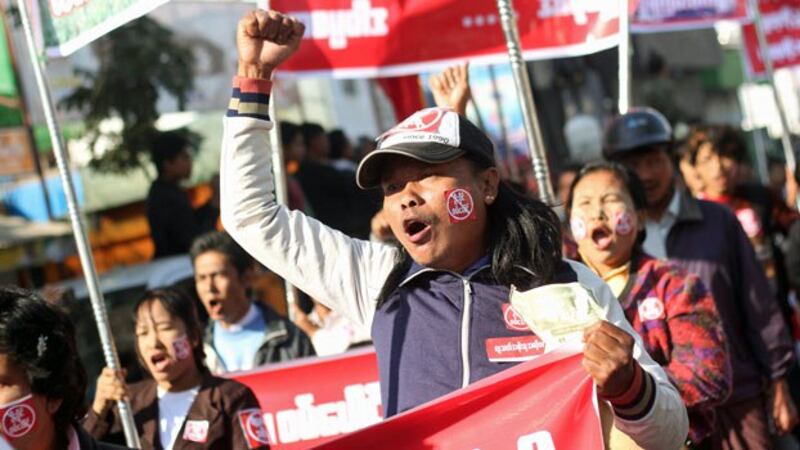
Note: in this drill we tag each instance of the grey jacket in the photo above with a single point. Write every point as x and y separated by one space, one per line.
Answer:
282 341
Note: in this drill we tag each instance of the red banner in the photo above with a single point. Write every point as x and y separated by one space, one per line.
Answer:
674 15
368 38
544 404
311 401
780 20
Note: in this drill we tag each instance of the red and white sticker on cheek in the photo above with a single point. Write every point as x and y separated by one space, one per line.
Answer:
623 223
460 206
17 418
182 347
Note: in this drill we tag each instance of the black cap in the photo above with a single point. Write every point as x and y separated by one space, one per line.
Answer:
432 135
637 129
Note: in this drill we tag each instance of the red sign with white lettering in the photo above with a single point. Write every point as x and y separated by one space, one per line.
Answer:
544 404
780 20
672 15
364 38
310 402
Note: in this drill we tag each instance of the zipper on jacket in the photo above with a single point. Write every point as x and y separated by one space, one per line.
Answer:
465 319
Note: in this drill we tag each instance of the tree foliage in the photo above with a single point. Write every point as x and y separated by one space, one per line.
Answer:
137 62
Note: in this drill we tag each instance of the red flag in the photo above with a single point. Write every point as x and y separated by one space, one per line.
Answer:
404 93
780 20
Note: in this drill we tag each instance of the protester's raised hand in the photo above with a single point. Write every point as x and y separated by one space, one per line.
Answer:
265 39
451 88
110 388
608 358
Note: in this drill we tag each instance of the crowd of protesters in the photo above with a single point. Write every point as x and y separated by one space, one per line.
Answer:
415 245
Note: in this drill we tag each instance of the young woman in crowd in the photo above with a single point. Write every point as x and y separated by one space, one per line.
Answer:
181 405
42 381
671 309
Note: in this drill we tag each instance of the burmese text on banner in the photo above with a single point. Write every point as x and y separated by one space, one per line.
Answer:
311 401
368 38
674 15
547 403
780 20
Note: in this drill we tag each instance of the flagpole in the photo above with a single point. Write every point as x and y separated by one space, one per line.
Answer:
763 47
624 58
279 172
78 229
522 81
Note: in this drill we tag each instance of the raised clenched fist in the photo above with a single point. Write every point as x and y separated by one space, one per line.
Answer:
264 40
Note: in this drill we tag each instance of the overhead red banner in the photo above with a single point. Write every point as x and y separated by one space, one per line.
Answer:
674 15
368 38
543 404
780 20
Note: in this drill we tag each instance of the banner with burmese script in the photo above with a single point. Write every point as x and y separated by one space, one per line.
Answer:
543 404
368 38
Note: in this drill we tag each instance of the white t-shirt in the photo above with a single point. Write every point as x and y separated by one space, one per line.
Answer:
172 410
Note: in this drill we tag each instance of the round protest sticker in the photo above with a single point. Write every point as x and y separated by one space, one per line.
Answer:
460 206
651 308
182 347
578 227
623 223
18 418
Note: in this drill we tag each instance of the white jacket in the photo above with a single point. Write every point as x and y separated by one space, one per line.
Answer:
347 274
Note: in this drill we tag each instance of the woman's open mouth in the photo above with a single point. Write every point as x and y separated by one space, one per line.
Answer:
601 237
159 361
416 230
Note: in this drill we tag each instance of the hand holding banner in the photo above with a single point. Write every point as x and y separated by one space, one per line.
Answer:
544 404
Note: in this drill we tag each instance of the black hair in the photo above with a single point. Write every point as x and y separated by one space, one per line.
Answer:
310 131
522 233
180 306
40 338
725 140
222 242
339 143
633 184
289 131
166 146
